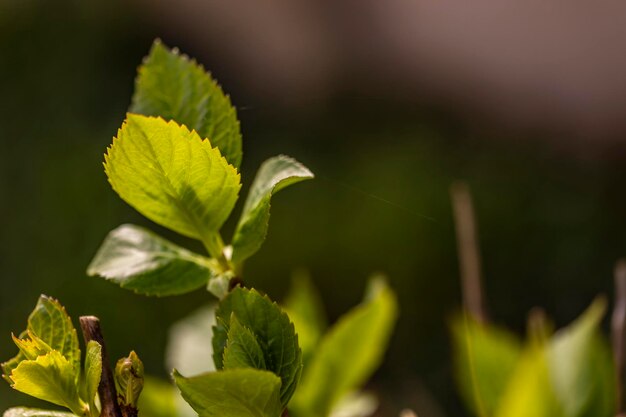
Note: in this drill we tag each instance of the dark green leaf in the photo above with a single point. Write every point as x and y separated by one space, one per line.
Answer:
275 174
272 329
242 349
232 393
175 87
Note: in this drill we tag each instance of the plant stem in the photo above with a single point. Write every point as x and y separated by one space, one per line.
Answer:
90 326
618 331
215 247
285 413
467 246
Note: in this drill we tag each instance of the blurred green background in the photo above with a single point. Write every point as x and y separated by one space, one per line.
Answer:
550 213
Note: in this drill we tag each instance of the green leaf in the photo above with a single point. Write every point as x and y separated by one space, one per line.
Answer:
34 412
93 370
172 176
275 174
242 349
272 329
529 391
348 354
569 376
304 307
232 393
485 358
139 260
48 324
581 366
50 378
175 87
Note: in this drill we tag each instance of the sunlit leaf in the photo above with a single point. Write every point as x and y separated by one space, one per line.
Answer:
34 412
172 176
50 378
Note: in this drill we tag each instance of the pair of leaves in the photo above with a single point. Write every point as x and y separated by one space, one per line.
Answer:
345 357
568 375
176 163
48 364
256 352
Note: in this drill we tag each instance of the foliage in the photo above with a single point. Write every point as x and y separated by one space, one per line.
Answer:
566 374
48 363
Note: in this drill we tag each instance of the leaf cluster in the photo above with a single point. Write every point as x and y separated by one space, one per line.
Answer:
175 160
48 365
568 373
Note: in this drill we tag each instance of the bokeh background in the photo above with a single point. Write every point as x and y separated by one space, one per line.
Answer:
388 103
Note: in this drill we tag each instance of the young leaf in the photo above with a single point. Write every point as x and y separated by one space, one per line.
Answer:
139 260
34 412
232 393
50 378
275 174
172 176
348 353
272 329
48 324
304 307
485 358
161 398
175 87
93 370
242 349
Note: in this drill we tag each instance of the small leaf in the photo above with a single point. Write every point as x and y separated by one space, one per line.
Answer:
139 260
31 346
242 349
129 380
34 412
348 354
172 176
48 324
232 393
304 307
93 370
485 358
272 329
175 87
275 174
50 378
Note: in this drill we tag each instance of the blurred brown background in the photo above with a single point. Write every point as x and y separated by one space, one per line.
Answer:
388 103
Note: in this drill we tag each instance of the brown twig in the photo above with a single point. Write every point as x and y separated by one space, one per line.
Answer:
467 246
618 331
285 413
90 326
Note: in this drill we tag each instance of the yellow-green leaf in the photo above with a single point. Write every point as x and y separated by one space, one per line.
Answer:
348 354
172 176
485 357
34 412
93 370
50 378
